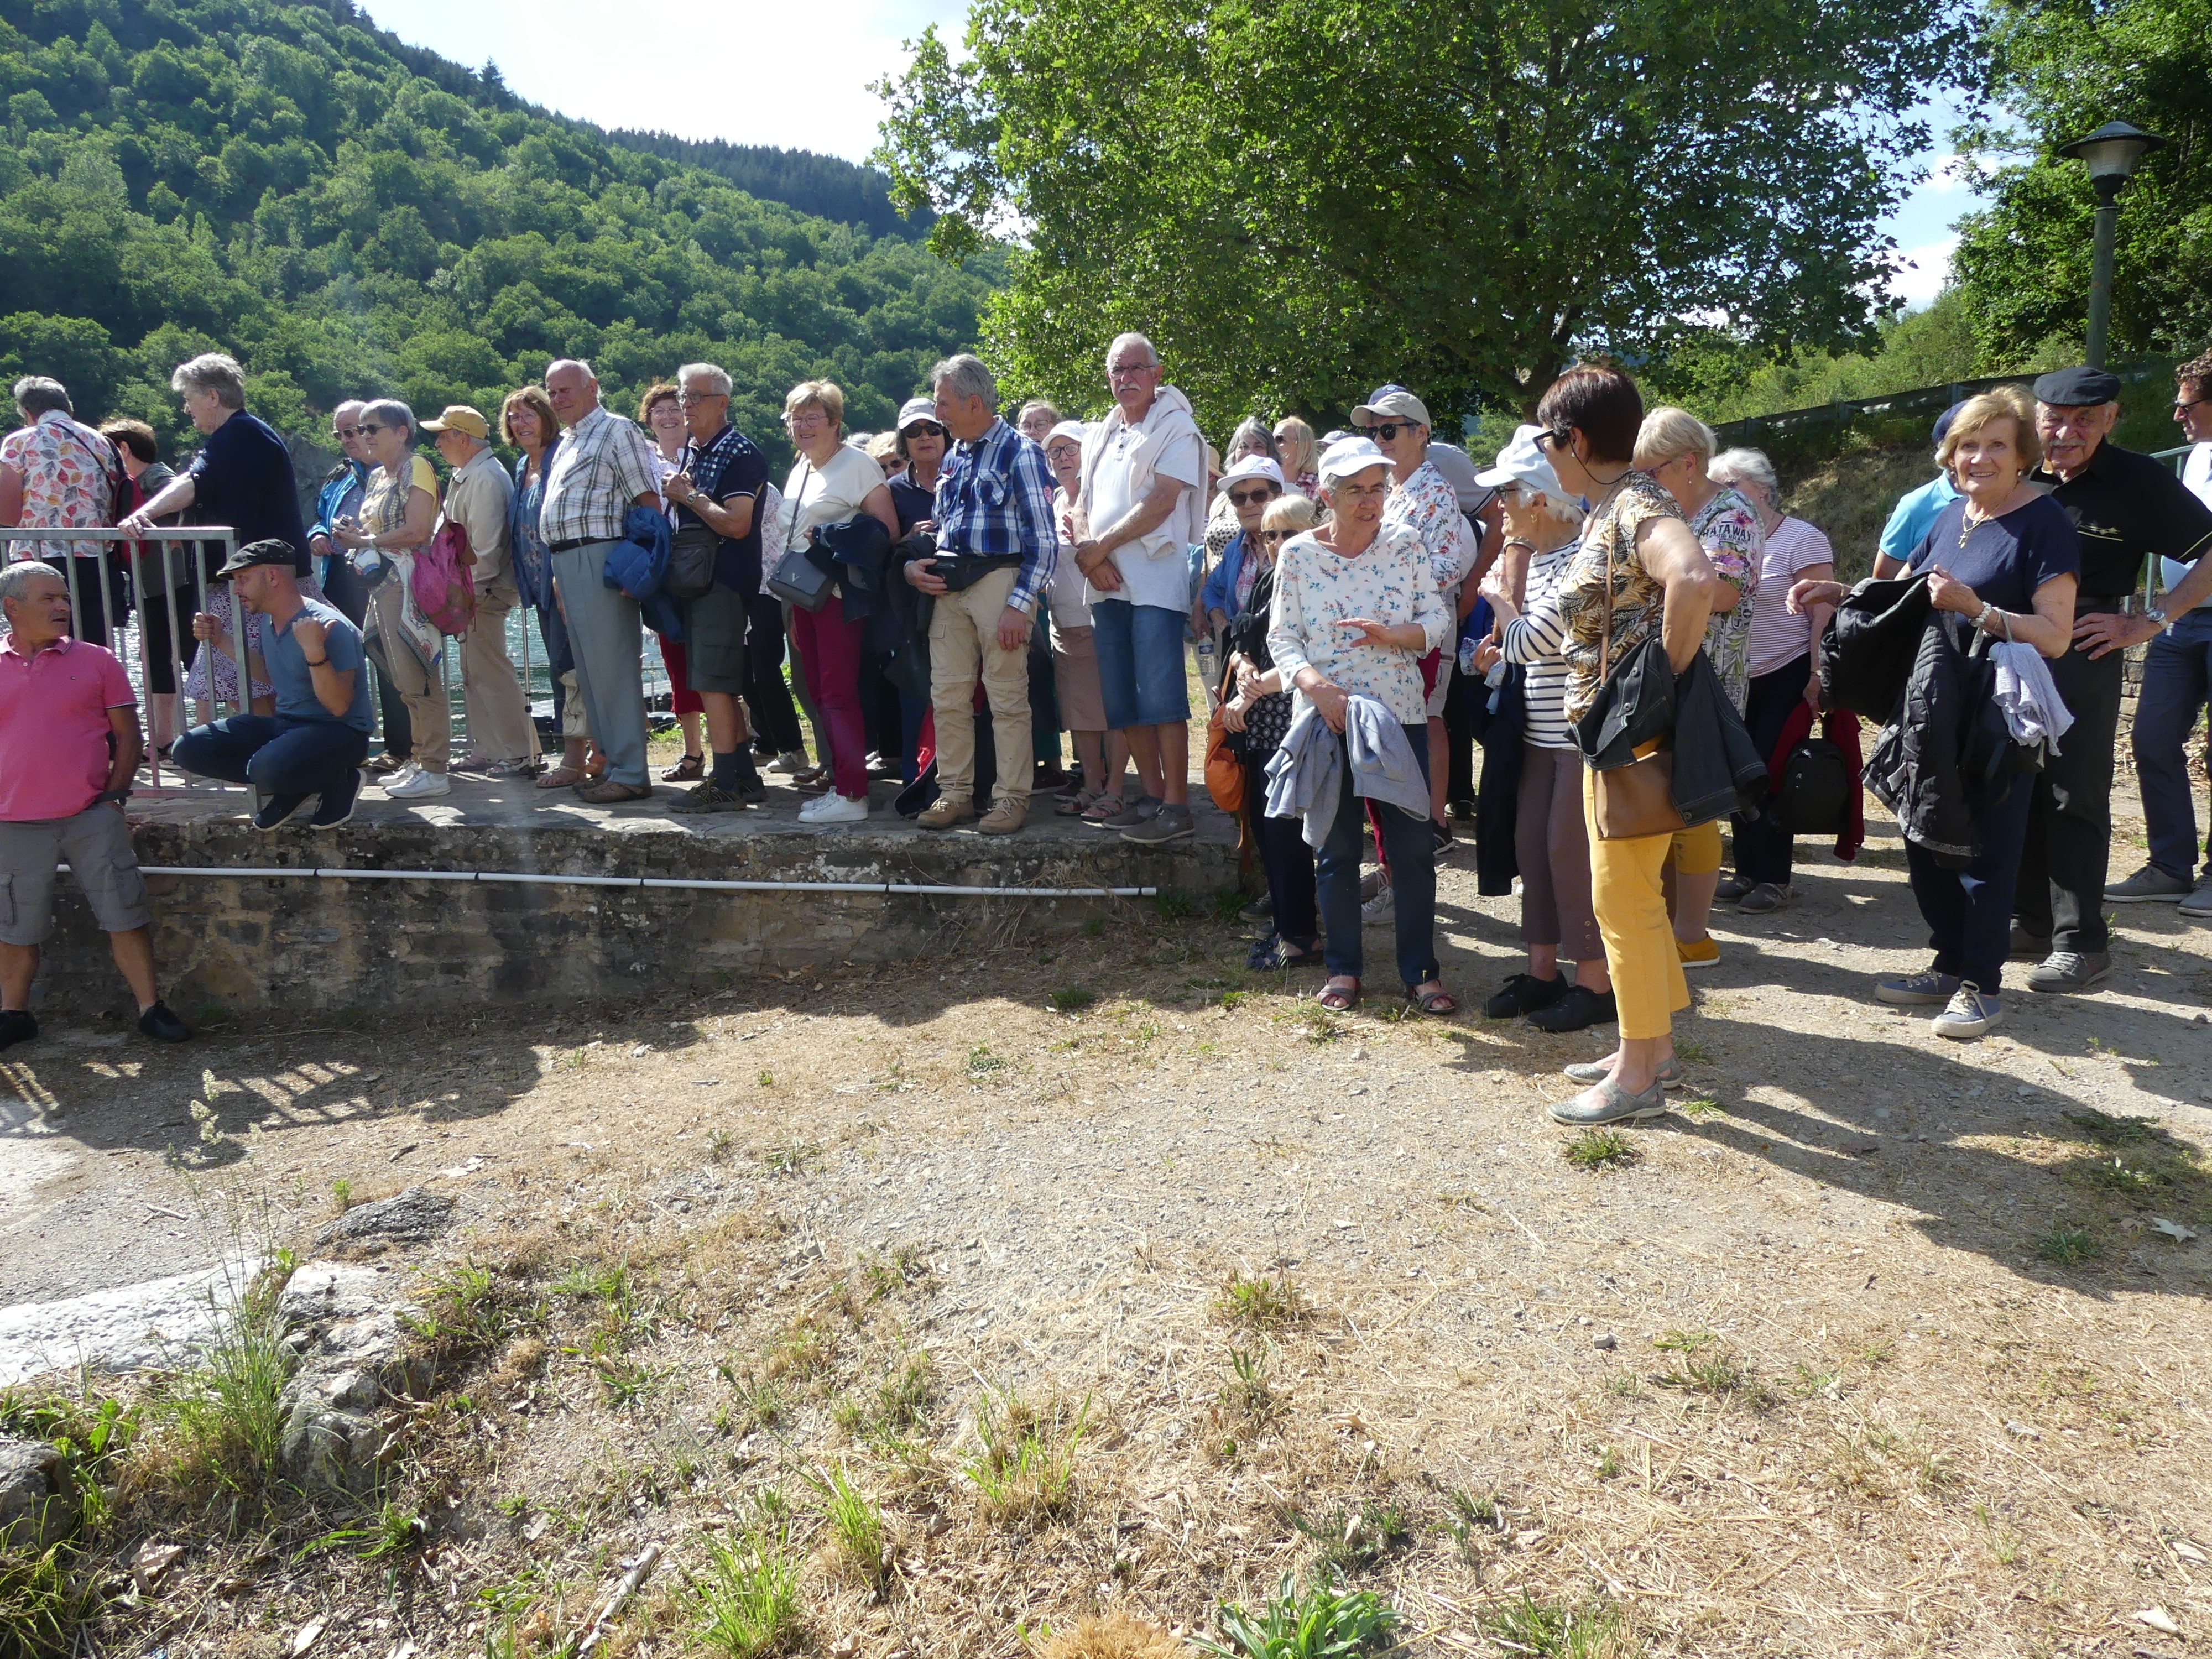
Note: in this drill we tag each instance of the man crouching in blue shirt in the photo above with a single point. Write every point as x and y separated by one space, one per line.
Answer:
311 748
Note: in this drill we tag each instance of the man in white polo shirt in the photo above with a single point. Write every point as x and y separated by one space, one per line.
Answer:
1144 474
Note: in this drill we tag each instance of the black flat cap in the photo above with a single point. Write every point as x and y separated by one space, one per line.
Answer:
2070 388
270 552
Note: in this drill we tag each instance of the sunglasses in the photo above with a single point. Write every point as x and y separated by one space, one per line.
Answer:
1259 497
926 428
367 428
1386 431
345 432
1555 438
1277 535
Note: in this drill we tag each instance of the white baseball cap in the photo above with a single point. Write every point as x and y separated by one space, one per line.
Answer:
917 410
1074 429
1347 456
1522 461
1255 466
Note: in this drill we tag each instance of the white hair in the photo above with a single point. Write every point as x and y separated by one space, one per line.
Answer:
389 411
570 362
19 576
713 375
1120 340
966 375
1743 466
215 373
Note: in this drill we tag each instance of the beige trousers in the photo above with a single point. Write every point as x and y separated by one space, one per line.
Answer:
427 711
963 636
499 714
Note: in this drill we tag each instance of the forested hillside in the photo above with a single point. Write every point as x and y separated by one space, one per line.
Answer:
350 214
823 185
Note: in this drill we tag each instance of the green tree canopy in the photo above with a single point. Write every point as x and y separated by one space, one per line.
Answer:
349 215
2059 69
1298 198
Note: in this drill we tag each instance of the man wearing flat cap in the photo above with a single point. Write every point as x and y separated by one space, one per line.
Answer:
502 741
311 748
2127 507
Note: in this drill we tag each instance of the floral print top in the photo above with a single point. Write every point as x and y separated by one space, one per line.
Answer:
1391 582
1728 529
1428 504
68 474
1635 597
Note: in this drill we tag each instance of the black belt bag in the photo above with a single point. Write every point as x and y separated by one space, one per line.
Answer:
961 572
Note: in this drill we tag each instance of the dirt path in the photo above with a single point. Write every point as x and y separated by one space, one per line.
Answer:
1874 1350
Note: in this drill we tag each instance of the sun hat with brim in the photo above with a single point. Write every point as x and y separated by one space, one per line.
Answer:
915 410
1348 456
270 551
1522 461
1391 404
1255 466
460 418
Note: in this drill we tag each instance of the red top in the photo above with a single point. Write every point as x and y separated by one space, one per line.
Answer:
53 726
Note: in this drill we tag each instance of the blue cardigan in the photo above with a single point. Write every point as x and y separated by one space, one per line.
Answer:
1219 592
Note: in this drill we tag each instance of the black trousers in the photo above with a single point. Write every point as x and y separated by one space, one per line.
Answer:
347 589
1459 735
767 696
1762 847
2061 893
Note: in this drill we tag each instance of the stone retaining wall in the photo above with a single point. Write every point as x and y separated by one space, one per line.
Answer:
302 943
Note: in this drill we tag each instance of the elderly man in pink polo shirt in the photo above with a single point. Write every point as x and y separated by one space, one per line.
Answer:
68 743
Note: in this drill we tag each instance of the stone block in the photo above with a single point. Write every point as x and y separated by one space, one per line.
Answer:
412 1216
38 1501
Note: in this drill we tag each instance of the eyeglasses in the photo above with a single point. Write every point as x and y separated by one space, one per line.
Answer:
926 428
1130 370
686 398
1386 431
1259 497
1555 438
2182 405
1360 490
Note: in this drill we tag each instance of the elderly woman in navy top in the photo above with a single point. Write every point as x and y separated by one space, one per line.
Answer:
2003 558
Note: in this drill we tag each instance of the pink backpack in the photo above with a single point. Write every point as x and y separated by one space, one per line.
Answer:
445 587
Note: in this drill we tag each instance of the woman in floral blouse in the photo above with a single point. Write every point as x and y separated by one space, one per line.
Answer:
1675 447
1354 610
1638 574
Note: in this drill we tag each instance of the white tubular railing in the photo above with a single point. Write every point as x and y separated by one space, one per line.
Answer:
183 591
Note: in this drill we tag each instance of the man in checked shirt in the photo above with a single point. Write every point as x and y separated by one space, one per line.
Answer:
996 542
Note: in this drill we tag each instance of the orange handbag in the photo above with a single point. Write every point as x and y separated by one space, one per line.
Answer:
1224 769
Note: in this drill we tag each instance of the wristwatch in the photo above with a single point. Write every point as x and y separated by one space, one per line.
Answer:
113 797
2157 614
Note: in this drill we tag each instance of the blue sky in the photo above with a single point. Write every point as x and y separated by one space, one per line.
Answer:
758 72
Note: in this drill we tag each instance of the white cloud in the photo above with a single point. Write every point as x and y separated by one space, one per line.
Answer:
1917 273
759 72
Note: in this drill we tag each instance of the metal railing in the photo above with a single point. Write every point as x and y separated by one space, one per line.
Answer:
181 553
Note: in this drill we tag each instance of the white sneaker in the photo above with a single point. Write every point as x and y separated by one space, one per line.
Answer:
834 808
408 771
422 786
1380 907
791 760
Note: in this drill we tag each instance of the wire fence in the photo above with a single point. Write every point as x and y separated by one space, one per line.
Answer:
1789 426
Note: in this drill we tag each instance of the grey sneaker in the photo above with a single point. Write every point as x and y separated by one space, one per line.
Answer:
2197 907
1970 1014
1143 809
2149 885
1261 909
2070 970
1379 906
1731 889
1596 1071
1765 899
1926 989
1608 1103
1168 823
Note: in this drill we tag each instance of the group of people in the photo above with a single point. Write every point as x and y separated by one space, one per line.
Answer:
1636 630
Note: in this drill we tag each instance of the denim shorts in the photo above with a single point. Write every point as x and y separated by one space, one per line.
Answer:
1140 669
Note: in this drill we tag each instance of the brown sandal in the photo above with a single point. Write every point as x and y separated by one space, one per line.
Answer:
561 777
608 793
690 770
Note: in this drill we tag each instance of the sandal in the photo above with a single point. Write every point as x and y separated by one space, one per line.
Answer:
1338 999
1438 1004
561 777
1074 806
1102 807
690 770
1274 951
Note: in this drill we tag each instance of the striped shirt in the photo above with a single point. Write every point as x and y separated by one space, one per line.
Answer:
1778 639
995 500
1532 639
603 464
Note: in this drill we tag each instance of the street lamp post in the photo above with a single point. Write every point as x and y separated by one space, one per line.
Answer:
2111 154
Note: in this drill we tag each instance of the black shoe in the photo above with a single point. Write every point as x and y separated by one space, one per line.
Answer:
1524 993
16 1025
751 789
2025 943
334 808
1445 842
279 809
1261 909
160 1023
1576 1010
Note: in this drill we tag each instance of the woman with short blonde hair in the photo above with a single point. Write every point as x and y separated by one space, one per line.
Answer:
1294 445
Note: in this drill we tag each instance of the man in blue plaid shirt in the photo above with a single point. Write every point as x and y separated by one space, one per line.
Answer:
997 536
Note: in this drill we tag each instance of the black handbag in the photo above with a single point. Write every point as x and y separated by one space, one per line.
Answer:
798 579
692 553
1814 793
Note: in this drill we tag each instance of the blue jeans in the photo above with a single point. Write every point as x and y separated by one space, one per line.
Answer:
1969 911
278 755
1412 850
2177 684
1140 673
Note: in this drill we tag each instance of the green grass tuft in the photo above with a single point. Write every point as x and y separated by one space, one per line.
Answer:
1323 1620
1599 1149
2069 1247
